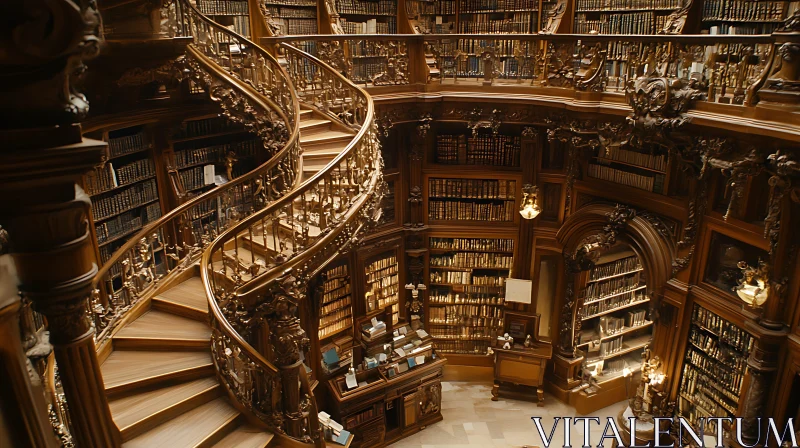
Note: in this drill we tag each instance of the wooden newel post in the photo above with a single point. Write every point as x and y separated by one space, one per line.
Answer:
46 215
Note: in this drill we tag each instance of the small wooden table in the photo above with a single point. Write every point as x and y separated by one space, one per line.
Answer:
518 369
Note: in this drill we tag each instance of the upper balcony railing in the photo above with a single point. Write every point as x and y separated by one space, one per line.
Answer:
252 88
724 70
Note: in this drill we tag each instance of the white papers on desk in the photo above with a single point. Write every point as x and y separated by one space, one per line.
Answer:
420 359
374 322
403 330
350 379
382 357
422 333
400 352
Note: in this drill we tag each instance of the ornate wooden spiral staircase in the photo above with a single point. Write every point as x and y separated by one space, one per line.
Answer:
210 354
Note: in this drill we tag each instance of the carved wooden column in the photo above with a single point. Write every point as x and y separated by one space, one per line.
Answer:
288 341
762 365
522 262
419 142
45 214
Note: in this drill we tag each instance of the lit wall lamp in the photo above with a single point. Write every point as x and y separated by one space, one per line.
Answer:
530 202
753 287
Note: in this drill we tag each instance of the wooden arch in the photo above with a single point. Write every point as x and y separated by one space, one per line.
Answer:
596 227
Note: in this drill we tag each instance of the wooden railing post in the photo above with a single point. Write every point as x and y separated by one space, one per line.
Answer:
44 212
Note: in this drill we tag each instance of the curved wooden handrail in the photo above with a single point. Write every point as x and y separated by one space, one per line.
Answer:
265 102
338 202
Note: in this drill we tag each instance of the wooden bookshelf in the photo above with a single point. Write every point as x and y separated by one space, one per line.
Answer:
472 200
432 16
293 17
234 14
382 284
201 147
614 313
467 294
649 172
368 17
498 16
742 17
715 366
124 190
482 150
623 16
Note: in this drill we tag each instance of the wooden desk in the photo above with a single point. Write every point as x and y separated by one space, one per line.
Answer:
518 369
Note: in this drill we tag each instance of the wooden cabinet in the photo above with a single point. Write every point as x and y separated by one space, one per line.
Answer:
521 367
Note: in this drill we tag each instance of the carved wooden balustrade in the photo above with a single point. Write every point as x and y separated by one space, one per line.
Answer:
727 69
278 248
253 89
368 59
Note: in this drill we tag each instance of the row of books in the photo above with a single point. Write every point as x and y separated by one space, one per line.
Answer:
696 390
121 225
296 26
341 303
295 3
618 267
747 29
291 13
333 317
620 23
592 309
647 183
652 161
744 10
195 178
381 275
519 22
448 298
206 126
371 26
455 313
473 260
212 154
241 25
635 318
498 150
212 7
461 332
466 278
119 146
335 294
711 347
471 211
726 331
379 7
612 287
335 327
467 6
473 244
502 47
462 347
441 7
107 177
610 347
601 5
125 200
731 379
366 70
472 188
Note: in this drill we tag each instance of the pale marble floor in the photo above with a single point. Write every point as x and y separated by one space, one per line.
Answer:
471 418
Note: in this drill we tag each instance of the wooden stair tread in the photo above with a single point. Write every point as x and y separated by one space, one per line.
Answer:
156 324
134 409
325 136
128 367
191 429
327 150
190 294
313 122
246 436
306 114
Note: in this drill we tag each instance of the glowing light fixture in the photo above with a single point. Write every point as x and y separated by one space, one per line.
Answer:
530 202
753 287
